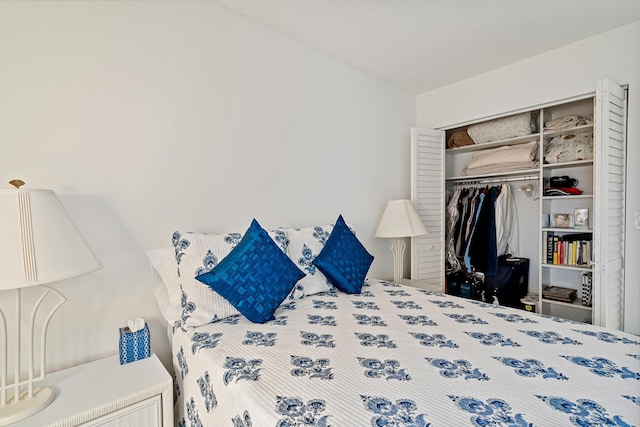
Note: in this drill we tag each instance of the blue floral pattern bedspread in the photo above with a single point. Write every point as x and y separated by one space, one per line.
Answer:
401 356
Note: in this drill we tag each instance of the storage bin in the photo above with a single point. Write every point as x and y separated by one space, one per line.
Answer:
511 283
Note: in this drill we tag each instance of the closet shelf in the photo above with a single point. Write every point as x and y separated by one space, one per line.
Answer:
569 230
568 267
571 196
576 304
494 144
567 164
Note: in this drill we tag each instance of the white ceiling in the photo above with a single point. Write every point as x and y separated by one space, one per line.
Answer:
424 44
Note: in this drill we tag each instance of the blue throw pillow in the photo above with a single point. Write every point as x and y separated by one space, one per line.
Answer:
255 277
343 259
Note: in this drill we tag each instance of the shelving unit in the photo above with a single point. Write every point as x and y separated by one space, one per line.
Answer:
600 178
566 274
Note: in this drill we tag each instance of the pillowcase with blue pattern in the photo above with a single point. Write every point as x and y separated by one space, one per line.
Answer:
255 277
198 253
304 245
343 259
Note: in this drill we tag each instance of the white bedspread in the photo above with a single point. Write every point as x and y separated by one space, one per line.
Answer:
401 356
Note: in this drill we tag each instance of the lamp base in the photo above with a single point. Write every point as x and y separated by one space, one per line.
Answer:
397 248
16 411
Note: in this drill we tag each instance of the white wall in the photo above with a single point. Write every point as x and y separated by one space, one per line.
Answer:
561 73
146 117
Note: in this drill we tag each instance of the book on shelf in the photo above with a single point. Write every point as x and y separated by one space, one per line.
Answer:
559 293
587 288
549 246
567 249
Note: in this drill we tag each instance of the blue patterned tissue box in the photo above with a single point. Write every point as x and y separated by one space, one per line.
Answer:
134 345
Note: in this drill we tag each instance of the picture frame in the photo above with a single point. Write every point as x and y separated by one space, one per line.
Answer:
545 220
581 218
561 220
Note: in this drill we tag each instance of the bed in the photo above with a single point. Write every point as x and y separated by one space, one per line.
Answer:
388 355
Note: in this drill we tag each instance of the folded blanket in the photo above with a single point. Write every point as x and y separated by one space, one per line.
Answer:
569 147
459 139
499 168
588 120
567 122
502 128
506 154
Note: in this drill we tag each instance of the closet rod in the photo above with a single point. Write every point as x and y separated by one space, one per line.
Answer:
459 181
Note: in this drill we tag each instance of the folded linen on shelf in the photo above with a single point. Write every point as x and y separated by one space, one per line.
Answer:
502 128
568 122
564 122
460 139
500 168
569 147
506 154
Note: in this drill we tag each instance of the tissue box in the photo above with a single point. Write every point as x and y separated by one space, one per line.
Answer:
134 345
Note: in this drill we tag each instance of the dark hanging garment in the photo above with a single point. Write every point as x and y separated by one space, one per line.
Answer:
483 249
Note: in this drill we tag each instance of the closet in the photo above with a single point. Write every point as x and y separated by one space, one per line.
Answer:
561 160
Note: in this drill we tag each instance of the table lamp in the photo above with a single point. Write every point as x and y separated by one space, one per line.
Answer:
40 244
399 220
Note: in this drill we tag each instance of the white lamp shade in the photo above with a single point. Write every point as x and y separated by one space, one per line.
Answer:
40 244
400 219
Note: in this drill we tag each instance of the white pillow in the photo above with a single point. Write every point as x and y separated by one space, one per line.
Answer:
195 254
304 245
165 280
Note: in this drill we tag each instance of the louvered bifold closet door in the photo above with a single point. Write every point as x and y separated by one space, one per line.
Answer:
610 147
428 196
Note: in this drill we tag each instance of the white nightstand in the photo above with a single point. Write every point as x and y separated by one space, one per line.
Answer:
422 284
106 394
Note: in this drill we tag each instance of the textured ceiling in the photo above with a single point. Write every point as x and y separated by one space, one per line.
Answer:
424 44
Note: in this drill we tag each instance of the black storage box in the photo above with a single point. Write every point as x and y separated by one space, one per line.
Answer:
510 284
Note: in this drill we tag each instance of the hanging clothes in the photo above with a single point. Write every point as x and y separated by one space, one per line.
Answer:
482 246
507 235
482 225
460 212
474 203
453 216
472 230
